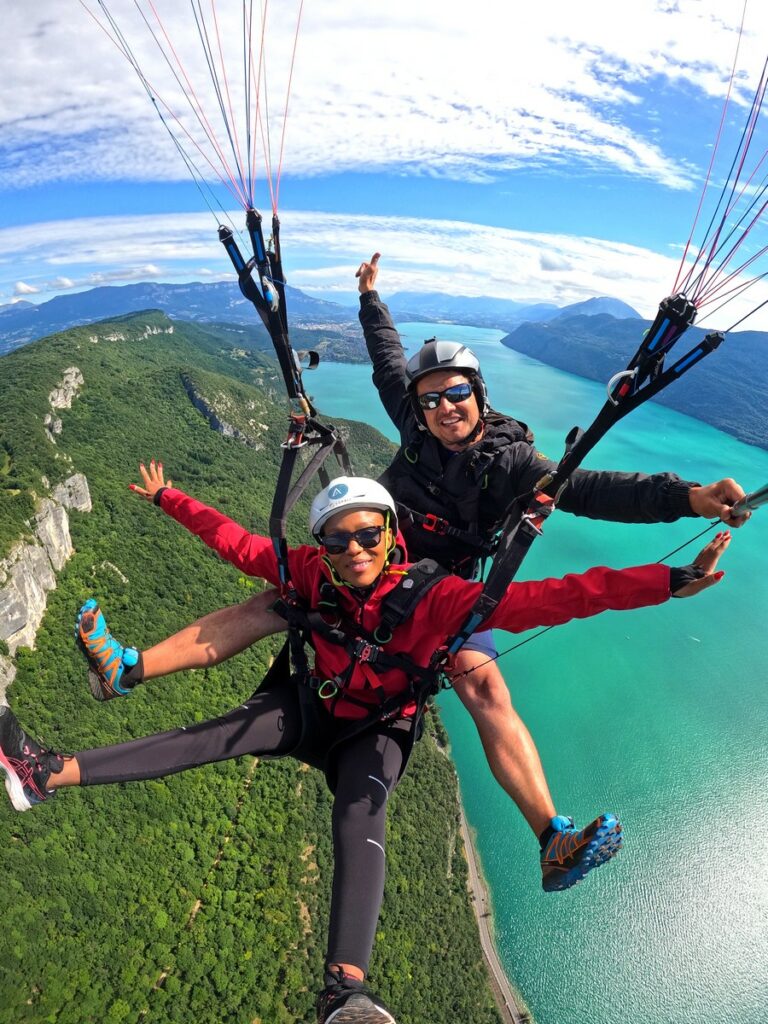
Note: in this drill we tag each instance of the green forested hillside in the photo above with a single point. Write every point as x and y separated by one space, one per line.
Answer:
201 897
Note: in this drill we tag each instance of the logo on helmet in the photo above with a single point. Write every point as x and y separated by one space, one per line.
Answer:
338 491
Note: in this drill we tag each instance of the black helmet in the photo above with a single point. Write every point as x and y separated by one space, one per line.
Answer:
445 355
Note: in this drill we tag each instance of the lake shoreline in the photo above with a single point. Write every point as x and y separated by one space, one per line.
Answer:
508 999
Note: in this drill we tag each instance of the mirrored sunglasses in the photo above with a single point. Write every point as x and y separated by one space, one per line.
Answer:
455 394
368 537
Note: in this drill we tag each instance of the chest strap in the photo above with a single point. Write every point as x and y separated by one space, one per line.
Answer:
366 649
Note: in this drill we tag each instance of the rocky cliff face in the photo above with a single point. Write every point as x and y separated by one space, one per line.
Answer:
29 571
73 493
26 576
113 335
62 395
7 675
214 410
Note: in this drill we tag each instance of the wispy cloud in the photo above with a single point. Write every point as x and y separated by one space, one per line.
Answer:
432 88
323 250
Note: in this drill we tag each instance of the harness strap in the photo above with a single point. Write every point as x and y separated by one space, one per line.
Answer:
367 650
442 527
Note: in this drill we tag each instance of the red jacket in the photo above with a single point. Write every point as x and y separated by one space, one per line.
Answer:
438 615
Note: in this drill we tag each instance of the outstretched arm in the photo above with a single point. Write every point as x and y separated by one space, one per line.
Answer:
384 348
249 552
582 595
625 497
552 602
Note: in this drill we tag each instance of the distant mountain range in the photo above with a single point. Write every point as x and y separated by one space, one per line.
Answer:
222 303
501 314
593 339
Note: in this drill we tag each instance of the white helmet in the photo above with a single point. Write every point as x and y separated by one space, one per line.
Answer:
349 492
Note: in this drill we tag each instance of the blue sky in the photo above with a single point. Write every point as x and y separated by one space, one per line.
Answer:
549 151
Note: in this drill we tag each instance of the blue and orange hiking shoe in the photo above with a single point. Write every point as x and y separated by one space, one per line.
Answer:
26 765
347 1001
108 660
570 855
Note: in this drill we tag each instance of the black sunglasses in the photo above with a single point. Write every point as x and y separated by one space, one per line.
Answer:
455 394
337 543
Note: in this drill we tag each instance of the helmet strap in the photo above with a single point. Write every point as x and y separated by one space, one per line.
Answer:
392 540
475 432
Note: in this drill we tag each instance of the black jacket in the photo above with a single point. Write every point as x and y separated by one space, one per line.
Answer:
473 490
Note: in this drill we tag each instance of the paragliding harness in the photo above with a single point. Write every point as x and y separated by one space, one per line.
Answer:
644 377
261 282
442 527
477 545
365 649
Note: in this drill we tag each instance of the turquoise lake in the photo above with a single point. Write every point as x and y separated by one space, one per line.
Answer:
659 715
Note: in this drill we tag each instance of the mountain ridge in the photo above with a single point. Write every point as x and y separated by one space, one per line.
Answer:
332 326
728 390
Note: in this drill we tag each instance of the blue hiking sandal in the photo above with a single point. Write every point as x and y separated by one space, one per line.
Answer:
568 856
108 660
26 765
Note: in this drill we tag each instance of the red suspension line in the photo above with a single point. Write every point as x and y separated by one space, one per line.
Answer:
719 291
712 246
229 184
710 286
257 118
737 290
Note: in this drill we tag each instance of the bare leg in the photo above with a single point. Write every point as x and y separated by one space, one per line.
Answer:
509 747
215 637
68 776
349 969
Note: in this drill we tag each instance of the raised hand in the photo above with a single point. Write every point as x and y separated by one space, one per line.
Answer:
367 272
153 480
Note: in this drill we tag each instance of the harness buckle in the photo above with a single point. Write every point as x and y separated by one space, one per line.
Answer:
327 689
540 508
365 652
434 524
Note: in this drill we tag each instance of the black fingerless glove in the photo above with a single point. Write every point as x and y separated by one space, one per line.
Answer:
680 577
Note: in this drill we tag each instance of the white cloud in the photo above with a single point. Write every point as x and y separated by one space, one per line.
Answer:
20 288
321 252
430 88
553 262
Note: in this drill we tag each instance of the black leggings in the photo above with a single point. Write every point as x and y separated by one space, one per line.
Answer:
367 768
